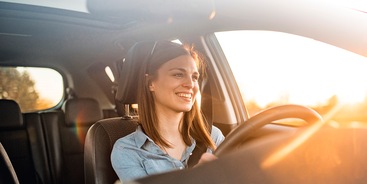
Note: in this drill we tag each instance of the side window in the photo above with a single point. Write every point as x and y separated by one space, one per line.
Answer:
33 88
273 68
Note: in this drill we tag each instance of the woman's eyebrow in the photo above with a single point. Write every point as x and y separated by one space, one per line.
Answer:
177 68
182 70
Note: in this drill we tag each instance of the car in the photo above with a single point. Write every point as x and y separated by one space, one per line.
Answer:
285 83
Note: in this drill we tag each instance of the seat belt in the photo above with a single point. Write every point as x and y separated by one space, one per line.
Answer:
196 154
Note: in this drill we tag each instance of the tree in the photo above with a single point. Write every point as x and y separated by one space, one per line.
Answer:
18 86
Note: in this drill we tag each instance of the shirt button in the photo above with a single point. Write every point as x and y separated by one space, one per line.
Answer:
181 168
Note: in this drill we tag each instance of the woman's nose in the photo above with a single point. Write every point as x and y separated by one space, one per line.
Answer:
189 82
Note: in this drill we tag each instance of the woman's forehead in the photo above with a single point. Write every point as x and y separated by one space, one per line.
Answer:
184 62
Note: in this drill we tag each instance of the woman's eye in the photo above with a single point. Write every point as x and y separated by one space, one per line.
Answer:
178 75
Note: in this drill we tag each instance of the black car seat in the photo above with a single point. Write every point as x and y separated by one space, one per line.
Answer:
23 138
80 115
66 131
7 172
98 146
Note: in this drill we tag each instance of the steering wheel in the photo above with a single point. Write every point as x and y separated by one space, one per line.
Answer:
244 130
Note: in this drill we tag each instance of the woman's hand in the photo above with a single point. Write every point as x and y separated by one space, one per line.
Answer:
206 157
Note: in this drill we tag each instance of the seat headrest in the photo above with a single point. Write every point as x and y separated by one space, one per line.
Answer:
140 58
10 114
81 111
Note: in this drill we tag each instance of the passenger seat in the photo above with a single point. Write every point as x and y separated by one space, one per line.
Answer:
66 135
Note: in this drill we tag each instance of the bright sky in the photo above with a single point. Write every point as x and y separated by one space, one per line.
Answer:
270 65
49 83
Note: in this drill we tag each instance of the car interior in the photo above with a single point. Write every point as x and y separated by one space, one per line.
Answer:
70 141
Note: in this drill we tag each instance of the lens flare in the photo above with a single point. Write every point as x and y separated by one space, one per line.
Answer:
281 153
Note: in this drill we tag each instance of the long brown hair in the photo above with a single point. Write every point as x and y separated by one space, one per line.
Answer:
193 123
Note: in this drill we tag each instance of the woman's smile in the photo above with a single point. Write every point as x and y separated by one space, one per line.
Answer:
186 96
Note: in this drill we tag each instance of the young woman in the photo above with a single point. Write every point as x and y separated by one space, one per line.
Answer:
171 123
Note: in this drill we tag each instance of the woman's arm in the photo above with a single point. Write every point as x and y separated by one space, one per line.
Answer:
218 138
217 135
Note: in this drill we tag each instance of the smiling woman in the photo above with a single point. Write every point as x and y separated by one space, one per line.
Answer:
294 70
171 124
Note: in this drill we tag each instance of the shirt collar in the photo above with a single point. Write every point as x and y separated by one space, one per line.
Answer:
140 137
145 142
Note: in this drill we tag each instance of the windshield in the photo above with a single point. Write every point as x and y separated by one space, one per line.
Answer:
273 68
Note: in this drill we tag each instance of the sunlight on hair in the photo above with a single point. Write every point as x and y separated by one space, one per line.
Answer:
198 99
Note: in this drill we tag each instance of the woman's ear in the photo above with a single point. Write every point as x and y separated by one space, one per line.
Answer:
149 81
151 86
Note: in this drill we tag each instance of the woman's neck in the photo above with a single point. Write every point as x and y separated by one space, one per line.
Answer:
169 121
170 131
169 124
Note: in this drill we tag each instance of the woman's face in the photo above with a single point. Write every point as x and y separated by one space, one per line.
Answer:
176 85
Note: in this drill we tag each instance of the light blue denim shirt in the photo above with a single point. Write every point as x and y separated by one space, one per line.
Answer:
136 155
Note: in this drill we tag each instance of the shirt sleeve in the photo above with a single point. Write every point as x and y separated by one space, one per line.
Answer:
217 135
126 163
